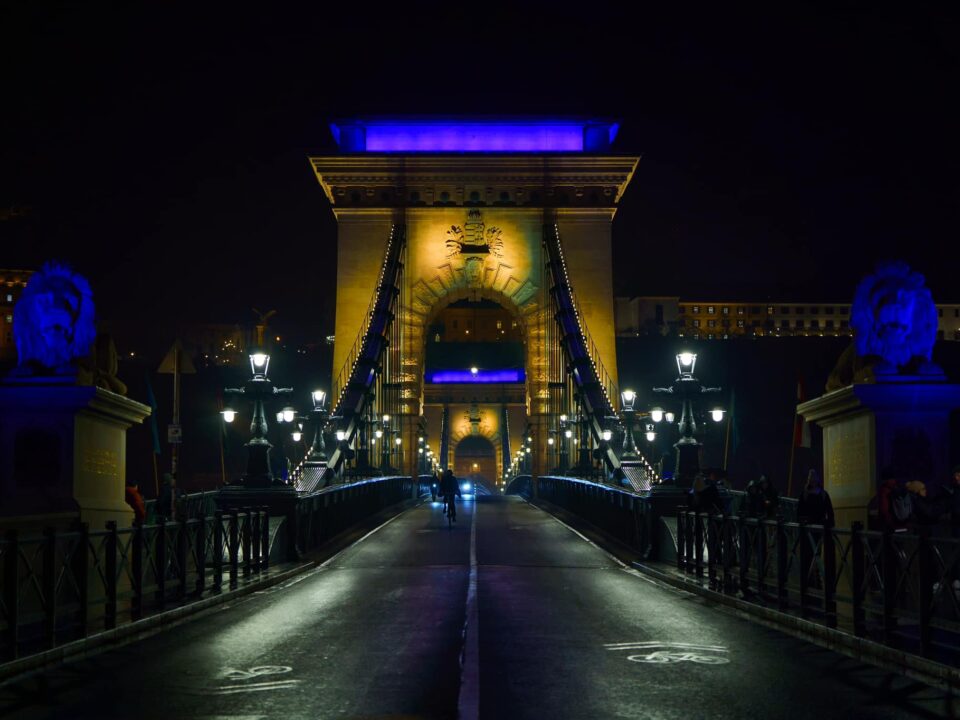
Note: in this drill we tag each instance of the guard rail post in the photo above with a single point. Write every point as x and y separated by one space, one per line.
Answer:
265 539
782 598
111 549
160 558
926 572
889 575
829 577
234 547
217 550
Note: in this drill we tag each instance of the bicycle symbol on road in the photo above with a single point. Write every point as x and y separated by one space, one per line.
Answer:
665 653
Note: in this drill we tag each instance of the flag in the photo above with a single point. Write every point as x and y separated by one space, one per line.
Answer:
152 401
801 428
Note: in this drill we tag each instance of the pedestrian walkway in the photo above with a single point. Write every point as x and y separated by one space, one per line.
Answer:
555 628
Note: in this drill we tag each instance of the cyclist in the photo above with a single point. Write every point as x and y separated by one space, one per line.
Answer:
448 488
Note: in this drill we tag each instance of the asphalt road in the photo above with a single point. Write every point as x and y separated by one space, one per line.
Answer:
558 629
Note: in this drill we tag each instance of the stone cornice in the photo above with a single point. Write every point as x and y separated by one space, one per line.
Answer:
357 179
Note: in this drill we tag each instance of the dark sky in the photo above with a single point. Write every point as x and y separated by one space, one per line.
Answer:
163 151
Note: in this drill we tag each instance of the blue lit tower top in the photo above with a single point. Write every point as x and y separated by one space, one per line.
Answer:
391 135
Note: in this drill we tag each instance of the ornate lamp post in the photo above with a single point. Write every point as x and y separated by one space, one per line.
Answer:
260 387
627 399
689 389
320 415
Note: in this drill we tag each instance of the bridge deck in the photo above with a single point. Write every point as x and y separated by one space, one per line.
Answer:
563 631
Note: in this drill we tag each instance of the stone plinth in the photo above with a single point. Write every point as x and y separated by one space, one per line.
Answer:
902 425
64 453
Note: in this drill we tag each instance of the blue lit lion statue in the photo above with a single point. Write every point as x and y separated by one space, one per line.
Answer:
894 323
53 323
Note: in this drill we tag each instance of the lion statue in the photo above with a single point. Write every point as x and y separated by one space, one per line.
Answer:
53 321
54 331
894 323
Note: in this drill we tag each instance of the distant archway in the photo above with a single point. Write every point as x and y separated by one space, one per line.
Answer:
475 460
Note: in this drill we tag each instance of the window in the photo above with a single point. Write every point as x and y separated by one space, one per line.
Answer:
711 310
499 324
798 324
710 336
956 313
9 318
784 323
9 297
769 309
513 324
843 323
739 323
828 310
798 310
711 323
815 324
682 323
939 312
696 309
696 323
830 324
740 310
814 310
755 309
784 311
725 310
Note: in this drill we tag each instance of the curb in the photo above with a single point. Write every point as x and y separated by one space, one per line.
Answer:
868 651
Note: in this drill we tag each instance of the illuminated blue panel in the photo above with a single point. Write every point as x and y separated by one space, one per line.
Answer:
495 136
481 376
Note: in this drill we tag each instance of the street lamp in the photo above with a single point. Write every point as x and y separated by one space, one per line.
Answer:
688 388
628 398
319 398
260 387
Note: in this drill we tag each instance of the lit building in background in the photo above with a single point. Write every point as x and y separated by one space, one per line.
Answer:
12 283
718 320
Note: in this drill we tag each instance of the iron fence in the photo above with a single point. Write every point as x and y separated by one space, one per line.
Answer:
61 586
900 588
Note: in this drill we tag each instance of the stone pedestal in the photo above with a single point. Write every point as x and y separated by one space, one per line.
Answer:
63 453
903 425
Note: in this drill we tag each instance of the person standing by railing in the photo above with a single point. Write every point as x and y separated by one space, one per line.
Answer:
762 498
814 506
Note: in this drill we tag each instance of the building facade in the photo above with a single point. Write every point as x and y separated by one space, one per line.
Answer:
12 283
722 320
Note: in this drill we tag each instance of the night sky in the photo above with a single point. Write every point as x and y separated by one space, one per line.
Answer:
164 152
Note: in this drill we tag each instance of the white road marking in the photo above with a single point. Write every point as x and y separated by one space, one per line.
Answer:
468 705
668 653
255 687
236 675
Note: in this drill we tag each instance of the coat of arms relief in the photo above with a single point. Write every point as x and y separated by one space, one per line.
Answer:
472 245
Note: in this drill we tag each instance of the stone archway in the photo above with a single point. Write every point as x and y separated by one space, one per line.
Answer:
475 460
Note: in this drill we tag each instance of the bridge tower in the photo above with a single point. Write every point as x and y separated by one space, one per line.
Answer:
478 329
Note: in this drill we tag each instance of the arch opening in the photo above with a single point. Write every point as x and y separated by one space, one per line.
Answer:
475 461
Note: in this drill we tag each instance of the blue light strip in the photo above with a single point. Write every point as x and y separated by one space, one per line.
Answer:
474 137
481 376
456 136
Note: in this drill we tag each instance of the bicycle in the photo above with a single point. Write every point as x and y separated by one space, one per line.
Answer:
450 509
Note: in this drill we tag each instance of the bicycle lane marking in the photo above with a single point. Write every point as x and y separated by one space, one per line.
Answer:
658 652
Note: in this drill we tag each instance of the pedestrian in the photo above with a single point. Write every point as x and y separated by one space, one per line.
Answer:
763 500
814 506
169 498
894 503
135 500
949 500
708 497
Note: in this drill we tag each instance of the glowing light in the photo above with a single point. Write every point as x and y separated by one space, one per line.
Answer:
296 436
568 434
486 376
378 433
686 358
466 487
606 435
280 416
259 359
288 414
499 136
549 442
656 415
669 417
651 436
398 441
716 414
229 415
386 418
563 418
341 435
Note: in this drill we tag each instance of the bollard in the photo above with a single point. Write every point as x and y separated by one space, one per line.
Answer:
856 551
217 550
160 557
136 573
49 585
234 547
200 555
11 591
81 566
110 567
265 540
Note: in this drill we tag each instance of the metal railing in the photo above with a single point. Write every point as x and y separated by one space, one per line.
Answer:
61 586
902 589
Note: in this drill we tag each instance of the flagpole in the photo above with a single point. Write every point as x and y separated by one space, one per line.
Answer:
793 450
726 444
